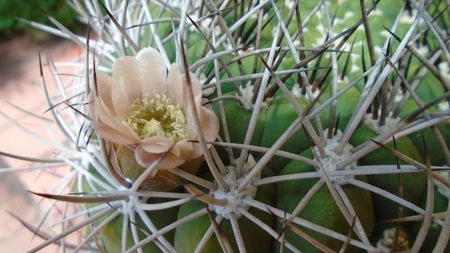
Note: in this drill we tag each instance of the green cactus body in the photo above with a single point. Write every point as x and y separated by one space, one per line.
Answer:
111 237
344 105
414 184
280 115
440 206
111 234
237 119
188 235
431 141
321 209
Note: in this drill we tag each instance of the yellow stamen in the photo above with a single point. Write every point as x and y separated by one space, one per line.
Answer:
157 116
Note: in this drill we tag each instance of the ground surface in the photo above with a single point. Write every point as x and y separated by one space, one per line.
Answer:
19 85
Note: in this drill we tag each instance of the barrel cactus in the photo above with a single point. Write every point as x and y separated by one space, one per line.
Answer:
258 126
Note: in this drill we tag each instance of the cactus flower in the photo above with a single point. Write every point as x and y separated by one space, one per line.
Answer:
145 107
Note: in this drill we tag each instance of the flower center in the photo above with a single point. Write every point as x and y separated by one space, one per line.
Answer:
157 116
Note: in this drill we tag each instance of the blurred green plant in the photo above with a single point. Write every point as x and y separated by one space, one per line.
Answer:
11 11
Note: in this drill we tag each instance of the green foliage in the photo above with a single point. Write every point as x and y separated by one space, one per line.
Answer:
10 11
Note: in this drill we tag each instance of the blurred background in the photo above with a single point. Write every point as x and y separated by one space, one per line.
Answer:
20 87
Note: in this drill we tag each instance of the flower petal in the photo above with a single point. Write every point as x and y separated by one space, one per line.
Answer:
106 116
153 71
196 87
112 134
145 159
186 150
103 112
209 123
161 182
175 85
126 87
156 144
104 84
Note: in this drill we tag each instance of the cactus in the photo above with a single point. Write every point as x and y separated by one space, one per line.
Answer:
257 126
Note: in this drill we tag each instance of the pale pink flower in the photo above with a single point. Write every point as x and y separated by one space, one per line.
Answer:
146 107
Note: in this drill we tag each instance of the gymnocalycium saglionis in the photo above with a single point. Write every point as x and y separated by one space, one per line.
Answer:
252 126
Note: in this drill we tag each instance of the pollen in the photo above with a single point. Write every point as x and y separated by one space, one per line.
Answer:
157 116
